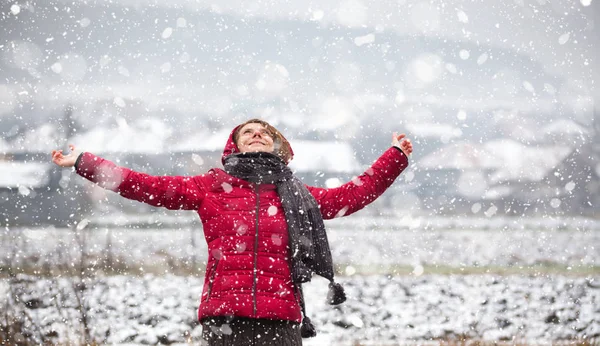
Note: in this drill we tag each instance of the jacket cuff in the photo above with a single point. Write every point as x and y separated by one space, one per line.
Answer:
77 161
86 165
400 150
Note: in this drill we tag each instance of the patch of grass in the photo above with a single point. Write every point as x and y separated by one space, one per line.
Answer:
183 268
474 342
99 269
401 270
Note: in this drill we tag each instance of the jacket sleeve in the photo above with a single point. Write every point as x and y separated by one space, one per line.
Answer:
362 190
171 192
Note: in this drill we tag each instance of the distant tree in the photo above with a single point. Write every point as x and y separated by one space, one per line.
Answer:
69 123
576 180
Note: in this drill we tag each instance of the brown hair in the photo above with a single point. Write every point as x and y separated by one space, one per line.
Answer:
281 145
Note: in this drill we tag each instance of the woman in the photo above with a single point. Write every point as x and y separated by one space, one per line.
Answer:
264 228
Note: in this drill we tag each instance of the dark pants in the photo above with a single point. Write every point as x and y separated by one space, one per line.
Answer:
224 331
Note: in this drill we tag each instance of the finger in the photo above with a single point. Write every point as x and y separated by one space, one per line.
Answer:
401 136
394 136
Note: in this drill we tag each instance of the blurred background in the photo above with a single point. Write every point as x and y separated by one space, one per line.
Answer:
500 99
492 232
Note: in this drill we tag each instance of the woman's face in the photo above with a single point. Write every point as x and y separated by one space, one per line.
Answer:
255 137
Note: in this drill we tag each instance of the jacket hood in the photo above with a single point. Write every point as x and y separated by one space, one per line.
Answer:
232 148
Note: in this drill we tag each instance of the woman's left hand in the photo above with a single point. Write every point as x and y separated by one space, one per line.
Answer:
403 143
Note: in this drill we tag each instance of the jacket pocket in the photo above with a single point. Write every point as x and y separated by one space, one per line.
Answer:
211 279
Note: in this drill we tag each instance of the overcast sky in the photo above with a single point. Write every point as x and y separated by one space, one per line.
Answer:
327 63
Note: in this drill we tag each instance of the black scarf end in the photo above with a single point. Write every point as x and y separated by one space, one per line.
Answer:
336 294
307 330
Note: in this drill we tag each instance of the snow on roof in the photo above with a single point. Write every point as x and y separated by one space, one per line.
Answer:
23 174
40 139
497 192
524 163
146 136
434 130
325 156
564 126
460 155
203 141
510 160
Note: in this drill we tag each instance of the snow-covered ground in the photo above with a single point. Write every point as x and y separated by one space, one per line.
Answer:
359 244
380 310
390 270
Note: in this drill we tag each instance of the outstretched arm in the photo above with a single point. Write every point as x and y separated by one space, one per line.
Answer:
171 192
367 187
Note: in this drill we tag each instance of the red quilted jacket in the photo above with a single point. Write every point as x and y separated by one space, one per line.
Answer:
248 272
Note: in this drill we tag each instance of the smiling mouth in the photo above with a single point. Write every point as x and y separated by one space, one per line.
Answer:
256 143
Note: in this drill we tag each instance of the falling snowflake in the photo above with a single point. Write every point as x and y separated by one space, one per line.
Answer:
564 38
276 238
451 68
482 59
217 254
462 16
227 187
56 67
529 87
342 211
181 22
242 229
570 186
418 270
119 102
166 67
491 211
240 247
167 33
317 15
15 9
197 159
350 270
24 190
82 224
361 40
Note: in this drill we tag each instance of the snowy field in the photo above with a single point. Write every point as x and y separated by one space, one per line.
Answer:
402 275
380 309
364 245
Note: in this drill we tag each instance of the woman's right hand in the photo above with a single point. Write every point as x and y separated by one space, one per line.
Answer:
402 143
65 160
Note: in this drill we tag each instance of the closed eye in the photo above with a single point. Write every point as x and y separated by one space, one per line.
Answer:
262 132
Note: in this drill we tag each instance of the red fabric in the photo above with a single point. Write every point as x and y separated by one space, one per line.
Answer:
230 209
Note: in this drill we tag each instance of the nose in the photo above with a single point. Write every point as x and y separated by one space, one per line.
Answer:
257 133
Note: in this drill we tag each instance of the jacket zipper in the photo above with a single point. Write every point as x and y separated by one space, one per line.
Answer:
211 280
256 187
